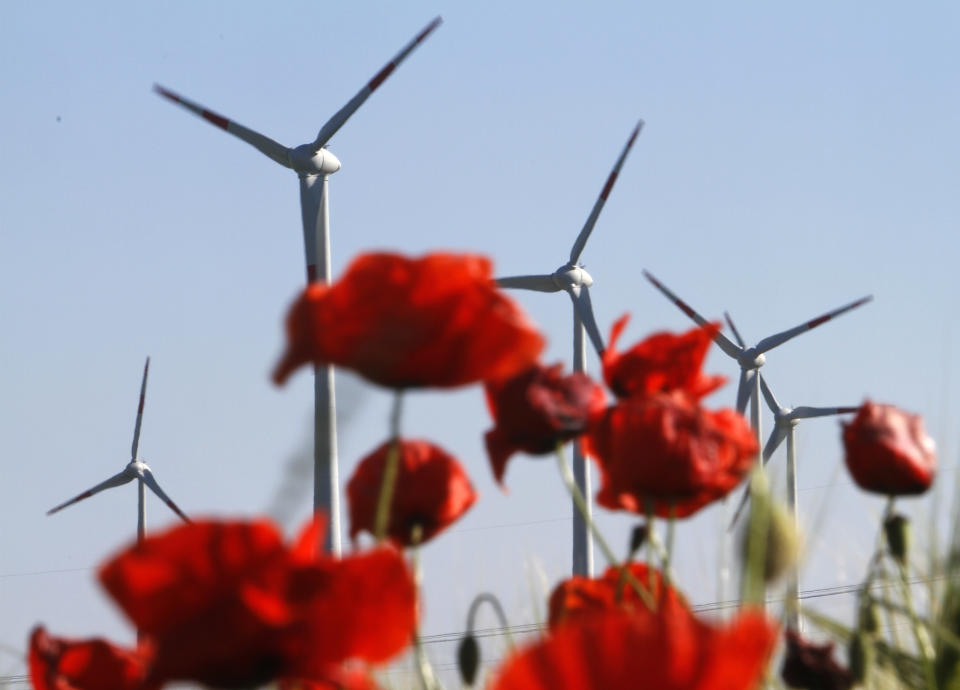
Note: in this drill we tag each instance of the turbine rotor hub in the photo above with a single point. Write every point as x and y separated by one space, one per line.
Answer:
306 161
572 275
751 359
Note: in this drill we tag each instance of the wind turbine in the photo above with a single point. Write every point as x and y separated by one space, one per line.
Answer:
135 469
573 278
313 163
751 359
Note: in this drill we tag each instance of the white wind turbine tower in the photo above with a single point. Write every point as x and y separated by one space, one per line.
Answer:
573 278
785 424
135 469
751 359
314 164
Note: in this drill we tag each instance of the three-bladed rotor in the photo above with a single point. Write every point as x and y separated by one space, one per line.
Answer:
572 277
751 359
135 469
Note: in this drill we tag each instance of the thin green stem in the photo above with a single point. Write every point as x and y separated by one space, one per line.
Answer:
923 646
428 679
671 529
581 504
389 481
498 609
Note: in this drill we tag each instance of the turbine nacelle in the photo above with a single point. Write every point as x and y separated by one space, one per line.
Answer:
306 160
751 359
569 276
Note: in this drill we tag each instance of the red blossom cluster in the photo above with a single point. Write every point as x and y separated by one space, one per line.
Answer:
229 605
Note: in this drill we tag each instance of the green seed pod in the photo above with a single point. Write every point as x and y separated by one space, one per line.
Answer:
468 659
783 540
869 618
638 537
897 530
861 657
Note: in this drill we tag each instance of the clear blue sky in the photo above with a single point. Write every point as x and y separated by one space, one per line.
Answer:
795 158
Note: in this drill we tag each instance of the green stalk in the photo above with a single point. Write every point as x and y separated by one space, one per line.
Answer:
428 680
389 481
581 504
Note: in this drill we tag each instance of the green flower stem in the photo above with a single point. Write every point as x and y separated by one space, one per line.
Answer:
923 646
498 609
389 481
581 504
651 539
428 679
671 529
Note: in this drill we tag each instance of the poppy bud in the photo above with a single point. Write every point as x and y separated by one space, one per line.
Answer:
783 540
861 657
869 618
897 530
638 537
468 659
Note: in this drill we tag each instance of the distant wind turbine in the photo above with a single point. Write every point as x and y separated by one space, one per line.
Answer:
751 359
135 469
313 163
573 279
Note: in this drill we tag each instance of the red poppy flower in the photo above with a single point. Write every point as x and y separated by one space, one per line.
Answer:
661 363
227 604
431 491
888 451
668 449
535 409
809 666
407 323
60 664
579 598
669 650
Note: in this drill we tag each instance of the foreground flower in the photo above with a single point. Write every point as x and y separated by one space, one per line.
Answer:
668 450
888 451
61 664
809 666
579 598
431 491
227 604
666 651
407 323
661 363
536 409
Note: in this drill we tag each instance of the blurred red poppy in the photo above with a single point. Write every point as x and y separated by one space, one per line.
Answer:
579 598
809 666
668 650
406 323
888 451
668 450
661 363
431 491
537 408
227 604
95 664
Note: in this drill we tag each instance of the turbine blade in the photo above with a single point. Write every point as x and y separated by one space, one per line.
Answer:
136 429
809 412
584 309
265 145
745 389
776 438
584 235
778 339
768 395
148 479
720 339
341 116
541 283
116 480
733 328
